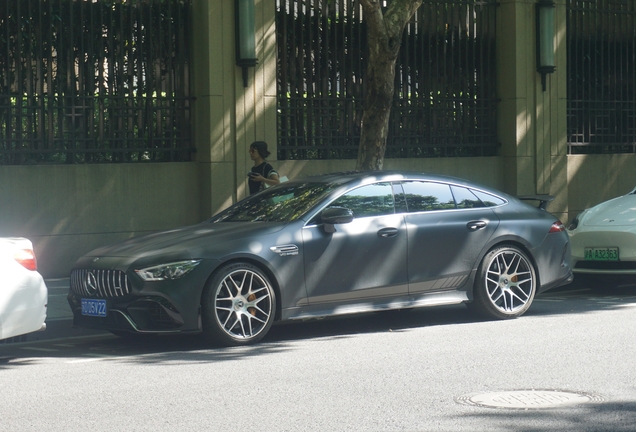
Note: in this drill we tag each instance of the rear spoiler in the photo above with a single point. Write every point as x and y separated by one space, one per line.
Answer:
543 199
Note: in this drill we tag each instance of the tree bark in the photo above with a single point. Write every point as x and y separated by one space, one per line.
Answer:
384 32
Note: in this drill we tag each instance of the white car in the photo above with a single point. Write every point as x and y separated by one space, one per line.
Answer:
23 293
603 239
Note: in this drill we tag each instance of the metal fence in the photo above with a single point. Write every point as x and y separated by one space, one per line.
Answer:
445 95
94 81
601 44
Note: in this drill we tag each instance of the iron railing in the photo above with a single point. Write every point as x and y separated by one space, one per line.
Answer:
601 46
445 96
86 81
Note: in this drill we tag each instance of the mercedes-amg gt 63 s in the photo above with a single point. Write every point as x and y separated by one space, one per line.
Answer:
326 245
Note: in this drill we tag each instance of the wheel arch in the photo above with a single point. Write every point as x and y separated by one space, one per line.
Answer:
264 268
523 246
481 301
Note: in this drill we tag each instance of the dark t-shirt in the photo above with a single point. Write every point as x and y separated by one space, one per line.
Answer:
264 169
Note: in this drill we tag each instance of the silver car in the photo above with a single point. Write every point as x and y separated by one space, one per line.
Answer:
326 245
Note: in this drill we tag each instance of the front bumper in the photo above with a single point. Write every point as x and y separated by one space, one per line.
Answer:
624 240
132 305
150 314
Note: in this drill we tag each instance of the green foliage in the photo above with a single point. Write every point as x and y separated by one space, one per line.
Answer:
88 82
445 98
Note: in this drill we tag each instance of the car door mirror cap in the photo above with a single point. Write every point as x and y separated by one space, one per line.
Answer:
334 216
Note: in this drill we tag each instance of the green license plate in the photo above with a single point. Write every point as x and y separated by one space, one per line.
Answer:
601 254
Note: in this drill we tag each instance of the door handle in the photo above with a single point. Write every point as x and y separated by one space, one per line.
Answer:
388 232
476 225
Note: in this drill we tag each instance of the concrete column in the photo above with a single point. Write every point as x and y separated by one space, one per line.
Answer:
228 115
532 122
214 118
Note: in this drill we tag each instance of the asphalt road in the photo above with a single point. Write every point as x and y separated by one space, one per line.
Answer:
384 371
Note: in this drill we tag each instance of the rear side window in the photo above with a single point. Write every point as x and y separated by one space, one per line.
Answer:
465 198
371 200
428 196
489 200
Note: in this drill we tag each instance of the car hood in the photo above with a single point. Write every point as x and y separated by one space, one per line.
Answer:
194 237
619 211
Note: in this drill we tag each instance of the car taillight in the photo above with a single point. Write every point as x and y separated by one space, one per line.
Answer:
557 227
26 258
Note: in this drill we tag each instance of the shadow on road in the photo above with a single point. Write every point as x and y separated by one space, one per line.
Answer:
572 299
615 416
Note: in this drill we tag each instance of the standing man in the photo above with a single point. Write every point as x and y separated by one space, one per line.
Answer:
262 172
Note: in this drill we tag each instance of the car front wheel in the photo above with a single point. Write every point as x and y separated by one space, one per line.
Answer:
506 284
238 305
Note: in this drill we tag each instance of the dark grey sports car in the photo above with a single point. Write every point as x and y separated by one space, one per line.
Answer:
326 245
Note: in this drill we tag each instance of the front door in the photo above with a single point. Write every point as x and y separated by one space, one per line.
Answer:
362 259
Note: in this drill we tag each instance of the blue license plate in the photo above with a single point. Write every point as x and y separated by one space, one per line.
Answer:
94 307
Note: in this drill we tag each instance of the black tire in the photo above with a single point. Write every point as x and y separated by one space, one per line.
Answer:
238 305
505 285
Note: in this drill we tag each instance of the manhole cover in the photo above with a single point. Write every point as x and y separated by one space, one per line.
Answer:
529 399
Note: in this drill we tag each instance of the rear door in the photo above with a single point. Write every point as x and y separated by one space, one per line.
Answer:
447 229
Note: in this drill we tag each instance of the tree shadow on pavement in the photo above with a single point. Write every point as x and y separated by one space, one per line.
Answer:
571 299
615 416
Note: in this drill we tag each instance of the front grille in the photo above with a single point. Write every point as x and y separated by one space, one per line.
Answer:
607 265
100 283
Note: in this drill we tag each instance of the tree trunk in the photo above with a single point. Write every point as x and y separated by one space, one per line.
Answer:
384 39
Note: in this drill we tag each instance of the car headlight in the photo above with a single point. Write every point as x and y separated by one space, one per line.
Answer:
574 224
168 271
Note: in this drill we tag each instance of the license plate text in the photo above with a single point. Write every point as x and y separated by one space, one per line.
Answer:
94 307
601 254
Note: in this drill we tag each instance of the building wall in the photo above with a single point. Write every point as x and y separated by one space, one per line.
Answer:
593 179
69 210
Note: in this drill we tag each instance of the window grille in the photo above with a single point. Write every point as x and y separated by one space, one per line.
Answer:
445 94
94 81
601 46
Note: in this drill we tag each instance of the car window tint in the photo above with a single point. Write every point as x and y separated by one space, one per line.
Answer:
489 200
464 198
428 196
282 203
370 200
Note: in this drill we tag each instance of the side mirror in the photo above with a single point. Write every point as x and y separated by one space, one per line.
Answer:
335 215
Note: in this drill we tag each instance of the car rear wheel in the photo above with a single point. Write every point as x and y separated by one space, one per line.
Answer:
506 284
238 305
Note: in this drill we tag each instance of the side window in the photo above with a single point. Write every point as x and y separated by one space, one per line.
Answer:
370 200
488 200
465 198
428 196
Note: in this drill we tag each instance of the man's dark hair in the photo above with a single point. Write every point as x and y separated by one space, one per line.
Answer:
261 148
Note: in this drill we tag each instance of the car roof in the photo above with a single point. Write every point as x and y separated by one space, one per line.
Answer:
362 177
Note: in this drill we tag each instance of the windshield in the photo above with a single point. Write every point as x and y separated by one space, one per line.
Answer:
283 203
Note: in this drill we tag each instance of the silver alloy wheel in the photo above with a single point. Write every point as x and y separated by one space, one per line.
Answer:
510 282
243 304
